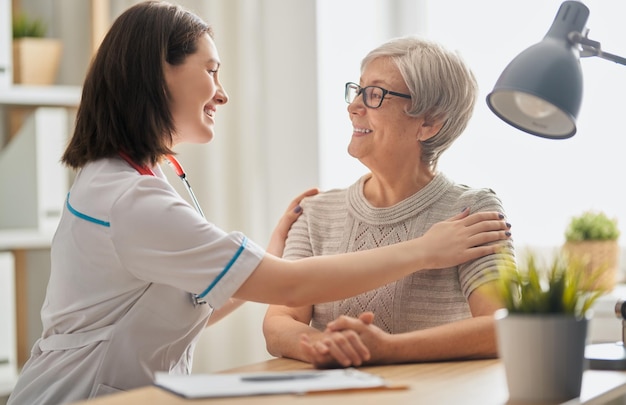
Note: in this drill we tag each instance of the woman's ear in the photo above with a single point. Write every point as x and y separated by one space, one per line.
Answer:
428 129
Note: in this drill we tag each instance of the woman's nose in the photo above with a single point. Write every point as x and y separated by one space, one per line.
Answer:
221 96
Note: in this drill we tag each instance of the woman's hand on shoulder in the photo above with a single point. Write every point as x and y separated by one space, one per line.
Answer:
465 237
279 235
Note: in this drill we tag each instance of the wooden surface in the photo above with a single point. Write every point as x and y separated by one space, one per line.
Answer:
465 382
21 305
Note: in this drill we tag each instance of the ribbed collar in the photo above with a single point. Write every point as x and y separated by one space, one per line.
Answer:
362 210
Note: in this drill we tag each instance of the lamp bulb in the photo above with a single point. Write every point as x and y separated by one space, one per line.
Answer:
533 106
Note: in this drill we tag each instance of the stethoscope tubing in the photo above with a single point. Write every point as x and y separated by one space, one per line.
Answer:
178 168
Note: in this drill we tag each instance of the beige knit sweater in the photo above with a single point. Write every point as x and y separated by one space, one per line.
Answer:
341 221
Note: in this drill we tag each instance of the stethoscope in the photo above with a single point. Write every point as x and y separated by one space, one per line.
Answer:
178 169
197 299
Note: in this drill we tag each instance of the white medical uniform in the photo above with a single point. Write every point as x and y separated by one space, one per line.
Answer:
127 255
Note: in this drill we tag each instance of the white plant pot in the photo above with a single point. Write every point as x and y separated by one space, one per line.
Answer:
543 355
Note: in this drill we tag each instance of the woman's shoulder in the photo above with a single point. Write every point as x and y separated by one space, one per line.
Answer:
329 198
473 196
480 199
104 183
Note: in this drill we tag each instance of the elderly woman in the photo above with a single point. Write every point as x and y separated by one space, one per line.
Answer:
414 99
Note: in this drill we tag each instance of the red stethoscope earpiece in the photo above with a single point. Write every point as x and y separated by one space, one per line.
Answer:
175 164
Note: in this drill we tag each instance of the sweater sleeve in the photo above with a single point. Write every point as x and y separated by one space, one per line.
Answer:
298 244
485 269
321 229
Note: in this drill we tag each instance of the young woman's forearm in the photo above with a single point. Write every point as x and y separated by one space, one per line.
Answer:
328 278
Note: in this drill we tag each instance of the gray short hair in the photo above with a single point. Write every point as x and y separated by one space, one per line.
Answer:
441 85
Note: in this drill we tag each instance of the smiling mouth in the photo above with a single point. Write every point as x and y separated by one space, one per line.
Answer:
209 112
362 130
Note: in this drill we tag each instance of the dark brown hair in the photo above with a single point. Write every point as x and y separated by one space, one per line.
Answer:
125 102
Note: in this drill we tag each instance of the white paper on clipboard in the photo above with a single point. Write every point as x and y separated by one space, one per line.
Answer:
266 383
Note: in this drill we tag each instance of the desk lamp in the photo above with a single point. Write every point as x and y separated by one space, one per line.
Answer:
540 93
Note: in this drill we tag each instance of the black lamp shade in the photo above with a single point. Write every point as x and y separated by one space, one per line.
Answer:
540 91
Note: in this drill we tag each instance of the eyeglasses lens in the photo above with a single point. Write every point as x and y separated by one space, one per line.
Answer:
372 95
352 91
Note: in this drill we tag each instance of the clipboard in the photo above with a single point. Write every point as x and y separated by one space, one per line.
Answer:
196 386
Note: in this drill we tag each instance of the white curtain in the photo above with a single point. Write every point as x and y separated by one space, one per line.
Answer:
265 149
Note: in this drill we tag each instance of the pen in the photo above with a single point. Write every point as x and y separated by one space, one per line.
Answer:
279 377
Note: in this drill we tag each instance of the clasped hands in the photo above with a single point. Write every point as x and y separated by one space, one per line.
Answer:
347 342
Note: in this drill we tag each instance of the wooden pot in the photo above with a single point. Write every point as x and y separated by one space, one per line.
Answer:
601 256
35 62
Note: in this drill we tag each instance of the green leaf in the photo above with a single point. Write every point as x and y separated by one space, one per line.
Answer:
24 27
560 287
592 225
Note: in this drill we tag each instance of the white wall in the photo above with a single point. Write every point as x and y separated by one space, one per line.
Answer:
543 182
347 30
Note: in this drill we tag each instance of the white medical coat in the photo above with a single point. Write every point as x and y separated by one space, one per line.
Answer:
126 256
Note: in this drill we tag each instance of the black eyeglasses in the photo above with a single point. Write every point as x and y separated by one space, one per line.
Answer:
373 96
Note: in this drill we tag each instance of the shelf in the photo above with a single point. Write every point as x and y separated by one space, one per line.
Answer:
14 239
40 96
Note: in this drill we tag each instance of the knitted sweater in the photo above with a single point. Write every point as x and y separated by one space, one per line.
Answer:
340 221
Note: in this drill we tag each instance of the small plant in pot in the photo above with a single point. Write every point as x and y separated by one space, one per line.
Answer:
36 61
25 27
36 58
592 237
542 330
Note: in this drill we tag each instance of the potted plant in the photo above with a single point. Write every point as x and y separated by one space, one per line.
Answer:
542 329
35 58
36 61
592 237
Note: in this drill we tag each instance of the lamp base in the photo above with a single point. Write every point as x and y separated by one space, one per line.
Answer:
606 356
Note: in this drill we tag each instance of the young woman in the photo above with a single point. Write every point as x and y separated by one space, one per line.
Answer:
136 271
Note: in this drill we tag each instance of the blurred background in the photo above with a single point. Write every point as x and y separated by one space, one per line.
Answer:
286 129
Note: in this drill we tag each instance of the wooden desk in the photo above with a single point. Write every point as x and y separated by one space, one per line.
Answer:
465 382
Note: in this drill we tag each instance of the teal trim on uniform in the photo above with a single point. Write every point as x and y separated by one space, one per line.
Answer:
223 273
83 216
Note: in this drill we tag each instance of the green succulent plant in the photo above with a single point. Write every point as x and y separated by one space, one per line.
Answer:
561 287
592 225
26 27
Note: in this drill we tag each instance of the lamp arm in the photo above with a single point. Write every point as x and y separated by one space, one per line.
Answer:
592 48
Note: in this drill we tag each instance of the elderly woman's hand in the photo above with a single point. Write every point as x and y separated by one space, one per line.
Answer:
279 235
